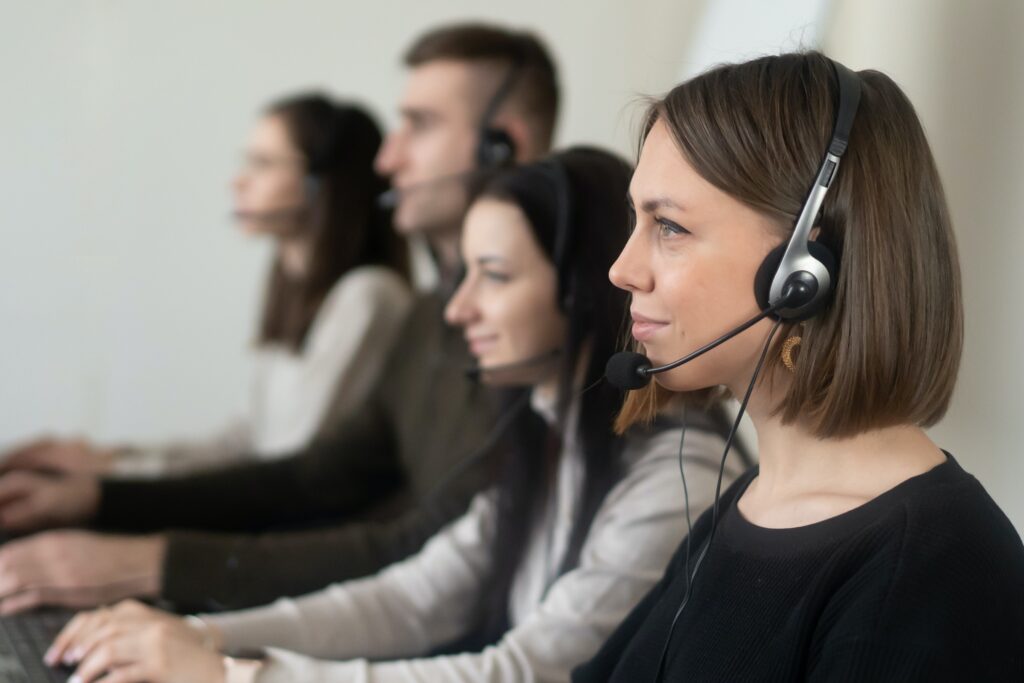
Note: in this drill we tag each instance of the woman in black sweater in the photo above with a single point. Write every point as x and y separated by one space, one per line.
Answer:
857 550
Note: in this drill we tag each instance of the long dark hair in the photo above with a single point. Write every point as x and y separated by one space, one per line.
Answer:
575 204
339 142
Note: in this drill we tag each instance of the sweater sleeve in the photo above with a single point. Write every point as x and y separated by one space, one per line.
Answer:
229 446
417 604
625 553
217 571
337 366
330 478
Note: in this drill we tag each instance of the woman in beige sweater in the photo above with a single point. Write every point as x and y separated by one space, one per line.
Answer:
537 573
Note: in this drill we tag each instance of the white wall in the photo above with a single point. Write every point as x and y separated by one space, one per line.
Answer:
962 65
126 299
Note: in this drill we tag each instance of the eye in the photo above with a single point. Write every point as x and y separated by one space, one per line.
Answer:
667 228
496 276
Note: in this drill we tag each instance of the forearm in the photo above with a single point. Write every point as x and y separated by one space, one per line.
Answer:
214 572
327 480
237 498
403 611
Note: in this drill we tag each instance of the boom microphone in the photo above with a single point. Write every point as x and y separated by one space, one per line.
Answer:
389 198
476 372
272 215
629 370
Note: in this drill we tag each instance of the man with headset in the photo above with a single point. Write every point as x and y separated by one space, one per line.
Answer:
385 479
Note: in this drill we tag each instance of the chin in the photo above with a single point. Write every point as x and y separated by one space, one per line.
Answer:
683 379
248 228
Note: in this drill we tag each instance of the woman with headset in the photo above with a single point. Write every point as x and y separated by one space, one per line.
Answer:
334 298
857 550
540 569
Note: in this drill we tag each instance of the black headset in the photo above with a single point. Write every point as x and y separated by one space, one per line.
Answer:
559 175
495 147
803 271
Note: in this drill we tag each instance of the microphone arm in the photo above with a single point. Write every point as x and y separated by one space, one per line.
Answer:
389 199
475 372
648 371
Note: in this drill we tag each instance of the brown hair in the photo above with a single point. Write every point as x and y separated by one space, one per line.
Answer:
887 349
534 92
338 142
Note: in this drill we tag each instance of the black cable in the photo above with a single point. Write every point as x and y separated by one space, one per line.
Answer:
691 576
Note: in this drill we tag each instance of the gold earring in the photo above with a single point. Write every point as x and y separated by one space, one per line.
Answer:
787 352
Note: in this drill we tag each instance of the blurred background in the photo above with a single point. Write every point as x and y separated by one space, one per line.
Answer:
127 300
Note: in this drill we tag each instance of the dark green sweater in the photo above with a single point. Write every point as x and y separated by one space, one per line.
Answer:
364 486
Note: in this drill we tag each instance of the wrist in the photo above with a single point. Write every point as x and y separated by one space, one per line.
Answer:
210 637
241 670
151 553
90 500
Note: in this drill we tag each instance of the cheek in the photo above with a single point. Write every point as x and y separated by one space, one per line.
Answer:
531 325
704 305
276 191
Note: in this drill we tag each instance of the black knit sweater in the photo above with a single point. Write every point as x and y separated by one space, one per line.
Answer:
925 582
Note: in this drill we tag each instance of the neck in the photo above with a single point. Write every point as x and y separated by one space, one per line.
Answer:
294 255
804 478
444 245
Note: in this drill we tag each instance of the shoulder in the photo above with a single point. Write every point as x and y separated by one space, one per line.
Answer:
368 284
943 563
948 511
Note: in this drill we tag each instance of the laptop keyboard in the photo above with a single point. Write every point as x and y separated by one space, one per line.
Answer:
24 639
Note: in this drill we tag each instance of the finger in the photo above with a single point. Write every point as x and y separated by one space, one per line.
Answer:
106 657
21 515
92 641
11 581
68 638
22 602
24 453
130 673
14 486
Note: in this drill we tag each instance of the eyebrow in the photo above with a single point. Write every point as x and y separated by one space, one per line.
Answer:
416 114
653 204
486 260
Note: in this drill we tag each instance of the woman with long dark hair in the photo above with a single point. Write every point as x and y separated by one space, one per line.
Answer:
857 550
335 295
535 575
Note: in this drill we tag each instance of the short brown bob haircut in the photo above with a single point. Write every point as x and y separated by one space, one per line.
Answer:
887 349
534 92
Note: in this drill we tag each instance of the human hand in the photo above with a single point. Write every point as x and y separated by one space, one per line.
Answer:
30 501
78 569
133 643
64 456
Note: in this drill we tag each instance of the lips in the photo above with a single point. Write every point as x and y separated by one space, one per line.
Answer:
479 345
645 328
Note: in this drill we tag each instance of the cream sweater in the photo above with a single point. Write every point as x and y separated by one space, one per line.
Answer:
293 392
427 600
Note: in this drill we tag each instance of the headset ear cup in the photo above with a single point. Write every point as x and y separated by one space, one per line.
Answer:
496 148
766 273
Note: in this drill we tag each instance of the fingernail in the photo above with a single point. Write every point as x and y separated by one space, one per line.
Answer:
50 657
72 656
75 679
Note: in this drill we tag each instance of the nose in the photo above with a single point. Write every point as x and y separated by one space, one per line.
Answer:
631 270
238 182
461 309
388 157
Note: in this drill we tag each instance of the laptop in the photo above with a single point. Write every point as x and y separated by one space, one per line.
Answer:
24 638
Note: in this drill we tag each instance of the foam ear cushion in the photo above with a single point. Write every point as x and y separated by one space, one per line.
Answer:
770 265
496 148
